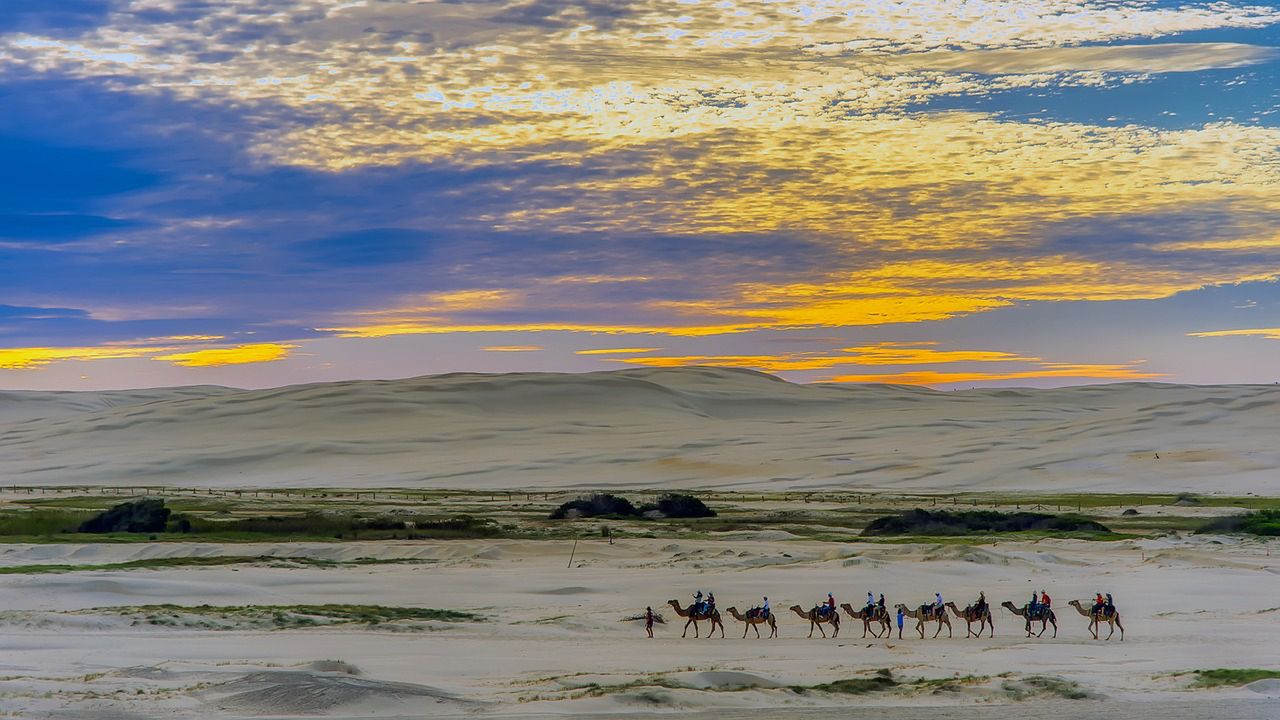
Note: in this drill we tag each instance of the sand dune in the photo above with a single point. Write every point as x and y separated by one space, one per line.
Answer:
688 427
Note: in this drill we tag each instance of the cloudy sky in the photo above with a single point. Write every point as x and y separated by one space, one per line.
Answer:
1008 192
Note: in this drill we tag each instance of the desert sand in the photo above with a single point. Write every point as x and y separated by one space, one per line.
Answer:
553 639
547 637
677 428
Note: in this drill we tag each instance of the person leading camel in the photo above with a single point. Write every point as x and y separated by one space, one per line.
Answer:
900 617
648 621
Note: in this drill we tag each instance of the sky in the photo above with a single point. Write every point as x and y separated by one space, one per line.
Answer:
955 194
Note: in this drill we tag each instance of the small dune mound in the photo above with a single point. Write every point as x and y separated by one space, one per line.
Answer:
1269 687
570 590
332 666
1044 686
293 692
728 680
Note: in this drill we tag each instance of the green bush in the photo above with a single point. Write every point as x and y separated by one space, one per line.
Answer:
1262 522
675 505
146 515
598 505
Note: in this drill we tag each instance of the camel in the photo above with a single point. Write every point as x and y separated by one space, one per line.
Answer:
753 620
1046 617
882 618
970 616
816 619
924 614
1112 619
694 617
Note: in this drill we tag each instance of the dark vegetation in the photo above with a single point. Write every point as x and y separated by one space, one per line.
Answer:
942 522
670 505
149 516
285 616
1262 522
598 505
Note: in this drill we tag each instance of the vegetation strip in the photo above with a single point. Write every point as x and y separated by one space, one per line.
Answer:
280 616
1232 677
218 561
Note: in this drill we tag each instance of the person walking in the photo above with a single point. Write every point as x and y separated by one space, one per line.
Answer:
648 621
900 616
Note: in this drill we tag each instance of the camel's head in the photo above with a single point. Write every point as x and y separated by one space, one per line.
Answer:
1074 602
900 606
797 608
1009 605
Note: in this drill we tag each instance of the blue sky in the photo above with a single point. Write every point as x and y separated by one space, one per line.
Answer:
954 194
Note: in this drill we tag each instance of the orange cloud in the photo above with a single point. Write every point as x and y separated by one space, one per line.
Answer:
617 351
883 354
1065 371
513 348
241 355
36 357
1268 333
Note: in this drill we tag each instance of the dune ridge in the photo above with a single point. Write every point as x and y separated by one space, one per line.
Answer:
651 428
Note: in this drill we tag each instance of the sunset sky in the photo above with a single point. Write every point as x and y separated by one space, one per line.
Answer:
957 194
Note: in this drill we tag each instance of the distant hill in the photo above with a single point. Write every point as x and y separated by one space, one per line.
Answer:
649 428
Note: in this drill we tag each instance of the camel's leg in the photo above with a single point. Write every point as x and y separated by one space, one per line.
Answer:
745 629
920 628
1055 627
992 625
1121 627
686 627
756 628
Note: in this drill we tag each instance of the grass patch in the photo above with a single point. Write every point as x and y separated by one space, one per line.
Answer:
281 617
1042 685
882 680
943 522
162 563
42 522
1232 677
45 525
1263 522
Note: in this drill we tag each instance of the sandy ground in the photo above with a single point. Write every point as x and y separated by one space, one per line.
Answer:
552 631
686 428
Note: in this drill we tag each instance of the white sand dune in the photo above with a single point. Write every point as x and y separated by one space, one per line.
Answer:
651 428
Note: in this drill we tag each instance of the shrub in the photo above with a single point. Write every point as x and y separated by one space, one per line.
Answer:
675 505
923 522
147 515
598 505
1262 522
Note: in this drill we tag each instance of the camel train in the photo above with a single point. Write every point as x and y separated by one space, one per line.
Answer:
878 622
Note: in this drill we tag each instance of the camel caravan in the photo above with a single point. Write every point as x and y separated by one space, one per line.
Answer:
877 620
